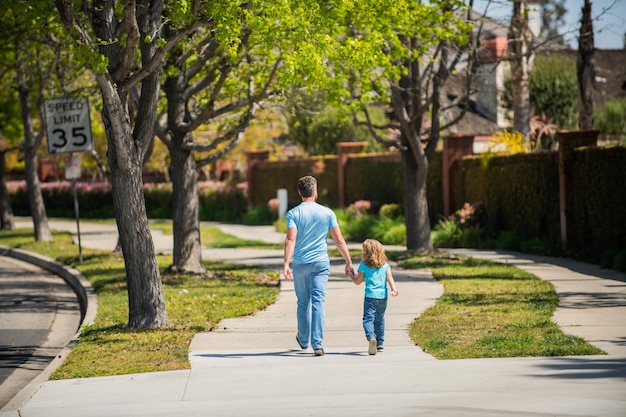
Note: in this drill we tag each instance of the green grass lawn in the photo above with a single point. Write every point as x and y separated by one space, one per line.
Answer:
213 237
490 310
194 304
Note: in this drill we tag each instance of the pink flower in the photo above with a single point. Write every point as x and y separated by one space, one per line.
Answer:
362 205
273 204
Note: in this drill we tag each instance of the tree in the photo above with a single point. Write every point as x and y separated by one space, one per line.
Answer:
127 46
586 69
217 78
124 50
552 19
10 135
31 56
423 49
521 57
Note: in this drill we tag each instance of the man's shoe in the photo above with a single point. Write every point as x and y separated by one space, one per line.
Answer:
380 348
300 344
372 347
319 352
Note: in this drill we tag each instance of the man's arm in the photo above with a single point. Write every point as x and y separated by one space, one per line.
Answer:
290 244
335 232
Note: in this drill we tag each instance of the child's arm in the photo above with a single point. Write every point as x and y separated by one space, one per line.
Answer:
392 283
357 278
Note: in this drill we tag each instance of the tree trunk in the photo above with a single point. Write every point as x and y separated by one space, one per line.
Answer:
416 215
35 199
146 305
6 213
185 209
520 40
586 69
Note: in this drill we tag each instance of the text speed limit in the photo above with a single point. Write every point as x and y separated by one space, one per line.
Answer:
68 125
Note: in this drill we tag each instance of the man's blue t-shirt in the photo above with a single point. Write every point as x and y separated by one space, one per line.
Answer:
375 280
312 221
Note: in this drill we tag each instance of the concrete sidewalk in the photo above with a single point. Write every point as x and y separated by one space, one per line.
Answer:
252 366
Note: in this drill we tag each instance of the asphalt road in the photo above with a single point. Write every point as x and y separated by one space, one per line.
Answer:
39 316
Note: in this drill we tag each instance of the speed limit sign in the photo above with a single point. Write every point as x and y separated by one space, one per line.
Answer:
68 125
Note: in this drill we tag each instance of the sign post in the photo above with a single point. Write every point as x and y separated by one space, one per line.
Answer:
72 172
68 130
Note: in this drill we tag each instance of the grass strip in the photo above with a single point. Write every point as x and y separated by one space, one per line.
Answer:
490 310
195 303
213 237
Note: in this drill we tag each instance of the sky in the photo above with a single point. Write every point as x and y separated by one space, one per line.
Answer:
609 20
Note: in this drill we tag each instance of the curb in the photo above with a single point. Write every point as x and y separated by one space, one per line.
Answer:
88 303
76 281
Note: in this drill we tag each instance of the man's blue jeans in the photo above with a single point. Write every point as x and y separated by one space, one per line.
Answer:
374 319
310 282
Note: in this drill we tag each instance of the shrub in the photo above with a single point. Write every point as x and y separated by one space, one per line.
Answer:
446 234
553 90
391 211
389 231
611 120
396 235
359 228
542 246
619 261
473 237
258 215
222 204
281 225
508 241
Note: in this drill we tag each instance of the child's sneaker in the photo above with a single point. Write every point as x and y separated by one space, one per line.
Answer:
372 347
380 348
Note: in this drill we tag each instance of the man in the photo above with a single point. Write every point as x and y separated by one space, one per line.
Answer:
308 225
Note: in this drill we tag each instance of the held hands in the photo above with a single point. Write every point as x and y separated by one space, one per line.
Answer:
350 271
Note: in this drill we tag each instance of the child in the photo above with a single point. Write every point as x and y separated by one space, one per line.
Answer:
376 272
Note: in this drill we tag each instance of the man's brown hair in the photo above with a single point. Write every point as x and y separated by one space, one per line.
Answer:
306 186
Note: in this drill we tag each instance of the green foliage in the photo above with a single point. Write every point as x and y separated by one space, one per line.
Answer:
446 234
619 261
227 204
553 86
462 229
358 228
11 130
391 210
508 240
611 120
542 246
389 230
597 211
395 235
520 192
473 237
258 215
317 126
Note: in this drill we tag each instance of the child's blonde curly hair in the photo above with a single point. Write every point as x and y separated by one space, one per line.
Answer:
373 253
